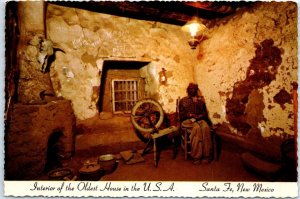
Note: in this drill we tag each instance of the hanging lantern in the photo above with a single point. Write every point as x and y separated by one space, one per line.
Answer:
195 28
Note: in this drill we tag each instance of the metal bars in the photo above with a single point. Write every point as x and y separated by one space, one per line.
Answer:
124 94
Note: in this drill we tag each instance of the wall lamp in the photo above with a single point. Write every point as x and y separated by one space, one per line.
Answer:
196 30
163 76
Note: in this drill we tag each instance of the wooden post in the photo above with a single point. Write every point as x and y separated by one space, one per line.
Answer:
295 105
154 151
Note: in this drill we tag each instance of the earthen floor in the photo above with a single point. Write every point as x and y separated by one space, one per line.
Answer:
228 168
94 142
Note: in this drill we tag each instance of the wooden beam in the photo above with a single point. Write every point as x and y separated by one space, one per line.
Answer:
212 6
175 12
171 12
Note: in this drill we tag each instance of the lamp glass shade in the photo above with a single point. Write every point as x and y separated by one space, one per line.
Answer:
194 27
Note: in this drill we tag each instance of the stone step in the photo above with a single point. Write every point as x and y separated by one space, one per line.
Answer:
107 142
98 136
96 125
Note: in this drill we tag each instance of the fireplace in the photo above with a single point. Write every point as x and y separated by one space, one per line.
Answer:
34 130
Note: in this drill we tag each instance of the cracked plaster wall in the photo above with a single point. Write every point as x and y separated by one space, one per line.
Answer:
88 38
225 60
32 81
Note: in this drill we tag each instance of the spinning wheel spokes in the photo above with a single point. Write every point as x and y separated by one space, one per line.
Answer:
147 115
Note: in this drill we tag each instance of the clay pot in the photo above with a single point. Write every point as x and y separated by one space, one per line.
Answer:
108 163
91 172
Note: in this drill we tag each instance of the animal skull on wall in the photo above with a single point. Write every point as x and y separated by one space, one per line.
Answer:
45 49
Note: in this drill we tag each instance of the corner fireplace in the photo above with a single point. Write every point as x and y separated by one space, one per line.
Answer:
32 130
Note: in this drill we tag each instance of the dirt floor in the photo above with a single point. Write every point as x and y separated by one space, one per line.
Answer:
229 167
94 140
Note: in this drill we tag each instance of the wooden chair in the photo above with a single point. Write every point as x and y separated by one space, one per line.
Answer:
185 131
186 142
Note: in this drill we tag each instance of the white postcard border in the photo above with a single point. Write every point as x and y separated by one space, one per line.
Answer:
150 189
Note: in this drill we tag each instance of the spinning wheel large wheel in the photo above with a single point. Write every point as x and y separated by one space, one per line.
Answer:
146 116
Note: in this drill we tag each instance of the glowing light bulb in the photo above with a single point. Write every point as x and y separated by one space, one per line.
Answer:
194 28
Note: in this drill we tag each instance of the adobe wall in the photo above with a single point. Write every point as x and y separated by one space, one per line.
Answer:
87 38
246 69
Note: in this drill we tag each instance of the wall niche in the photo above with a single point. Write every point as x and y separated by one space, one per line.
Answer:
122 85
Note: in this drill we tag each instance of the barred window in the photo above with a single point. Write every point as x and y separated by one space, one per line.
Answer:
124 94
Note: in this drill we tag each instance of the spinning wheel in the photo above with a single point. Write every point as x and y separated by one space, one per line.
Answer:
146 116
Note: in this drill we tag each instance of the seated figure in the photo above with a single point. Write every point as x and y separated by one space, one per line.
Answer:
192 112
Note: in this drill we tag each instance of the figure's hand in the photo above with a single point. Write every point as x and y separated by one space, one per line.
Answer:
193 119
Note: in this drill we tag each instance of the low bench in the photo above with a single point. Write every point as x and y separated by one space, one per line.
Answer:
260 166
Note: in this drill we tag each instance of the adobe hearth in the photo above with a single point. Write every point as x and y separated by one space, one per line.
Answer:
30 129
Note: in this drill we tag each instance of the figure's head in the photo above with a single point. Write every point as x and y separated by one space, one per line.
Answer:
192 90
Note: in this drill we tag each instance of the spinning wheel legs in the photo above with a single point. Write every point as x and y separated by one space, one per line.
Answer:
155 152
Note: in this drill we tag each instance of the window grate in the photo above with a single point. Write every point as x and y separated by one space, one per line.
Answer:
124 94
